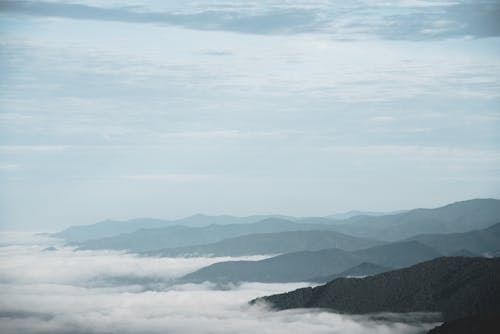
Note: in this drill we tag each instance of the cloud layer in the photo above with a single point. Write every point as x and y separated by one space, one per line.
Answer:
399 20
61 291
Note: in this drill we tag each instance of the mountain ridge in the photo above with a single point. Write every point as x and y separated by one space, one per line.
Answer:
454 286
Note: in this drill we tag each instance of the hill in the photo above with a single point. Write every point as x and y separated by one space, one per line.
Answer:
476 324
110 228
146 240
292 267
456 287
485 241
303 266
361 270
453 218
271 243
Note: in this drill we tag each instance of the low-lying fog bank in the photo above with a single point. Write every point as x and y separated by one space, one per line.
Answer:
58 290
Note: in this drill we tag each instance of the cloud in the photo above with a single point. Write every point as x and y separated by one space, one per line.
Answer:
55 292
8 166
5 149
402 20
274 21
429 153
422 3
171 177
214 52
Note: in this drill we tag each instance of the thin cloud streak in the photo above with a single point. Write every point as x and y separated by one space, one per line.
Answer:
362 19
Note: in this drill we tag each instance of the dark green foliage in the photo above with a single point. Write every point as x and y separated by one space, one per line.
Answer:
454 286
477 324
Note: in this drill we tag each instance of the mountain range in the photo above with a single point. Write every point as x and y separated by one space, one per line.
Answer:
145 240
453 218
316 266
308 265
110 228
271 243
458 218
456 287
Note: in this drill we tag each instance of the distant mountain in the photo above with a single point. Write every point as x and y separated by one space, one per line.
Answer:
146 240
200 220
354 213
271 243
153 234
456 287
453 218
291 267
110 228
398 254
480 242
303 266
361 270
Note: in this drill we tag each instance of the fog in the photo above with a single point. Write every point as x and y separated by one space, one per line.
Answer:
65 291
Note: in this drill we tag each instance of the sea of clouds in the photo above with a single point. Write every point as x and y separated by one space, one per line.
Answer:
59 290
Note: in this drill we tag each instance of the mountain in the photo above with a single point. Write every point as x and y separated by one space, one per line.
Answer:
131 235
354 213
271 243
146 240
110 228
291 267
453 218
456 287
398 254
485 241
200 220
302 266
361 270
476 324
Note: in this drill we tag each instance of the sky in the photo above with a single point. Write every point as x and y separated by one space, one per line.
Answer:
116 109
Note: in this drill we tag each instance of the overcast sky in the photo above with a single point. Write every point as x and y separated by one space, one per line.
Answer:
116 109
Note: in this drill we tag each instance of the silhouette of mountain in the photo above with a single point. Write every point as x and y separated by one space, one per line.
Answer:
477 324
354 213
456 287
485 241
178 236
291 267
361 270
302 266
453 218
271 243
110 228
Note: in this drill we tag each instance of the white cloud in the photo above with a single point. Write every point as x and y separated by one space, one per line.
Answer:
169 177
4 149
56 292
8 166
420 152
382 119
422 3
